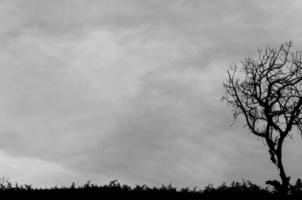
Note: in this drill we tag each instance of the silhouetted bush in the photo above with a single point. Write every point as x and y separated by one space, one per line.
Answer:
236 190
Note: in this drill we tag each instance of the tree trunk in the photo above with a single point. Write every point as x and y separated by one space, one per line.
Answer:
284 179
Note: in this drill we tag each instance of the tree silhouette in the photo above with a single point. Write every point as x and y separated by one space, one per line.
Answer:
267 92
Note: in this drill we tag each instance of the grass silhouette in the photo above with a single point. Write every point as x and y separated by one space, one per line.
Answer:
235 190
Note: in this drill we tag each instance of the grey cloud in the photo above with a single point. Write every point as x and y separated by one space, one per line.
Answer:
132 90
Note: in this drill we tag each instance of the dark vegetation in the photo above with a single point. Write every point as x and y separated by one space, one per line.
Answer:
235 190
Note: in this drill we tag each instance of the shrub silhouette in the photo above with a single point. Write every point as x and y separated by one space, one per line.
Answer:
240 190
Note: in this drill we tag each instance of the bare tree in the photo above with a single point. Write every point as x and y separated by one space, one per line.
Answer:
267 91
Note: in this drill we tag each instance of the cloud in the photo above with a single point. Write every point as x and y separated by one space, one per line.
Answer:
41 173
131 90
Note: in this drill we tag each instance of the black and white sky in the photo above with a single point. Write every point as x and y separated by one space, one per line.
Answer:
131 90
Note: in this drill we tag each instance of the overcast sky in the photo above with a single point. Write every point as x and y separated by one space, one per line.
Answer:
130 90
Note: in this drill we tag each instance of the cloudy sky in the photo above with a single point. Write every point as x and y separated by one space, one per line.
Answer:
130 90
